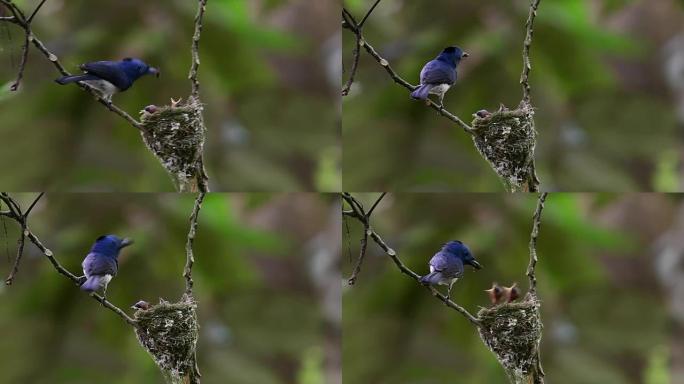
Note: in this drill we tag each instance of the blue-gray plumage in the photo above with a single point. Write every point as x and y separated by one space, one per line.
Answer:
446 266
438 75
101 263
109 77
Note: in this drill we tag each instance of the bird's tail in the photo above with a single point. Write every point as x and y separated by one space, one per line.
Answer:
422 92
432 278
92 284
73 78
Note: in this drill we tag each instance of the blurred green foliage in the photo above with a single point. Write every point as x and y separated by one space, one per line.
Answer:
261 316
603 313
604 111
265 78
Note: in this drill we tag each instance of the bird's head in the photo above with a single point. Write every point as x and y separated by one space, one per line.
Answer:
460 250
452 55
136 68
110 245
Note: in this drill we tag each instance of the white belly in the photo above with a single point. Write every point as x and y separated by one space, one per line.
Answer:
448 282
105 280
103 86
440 89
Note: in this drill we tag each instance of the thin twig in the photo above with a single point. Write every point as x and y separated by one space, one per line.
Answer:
365 17
22 218
35 11
358 211
359 215
370 211
527 64
350 23
17 259
536 222
200 171
189 256
35 201
194 67
22 63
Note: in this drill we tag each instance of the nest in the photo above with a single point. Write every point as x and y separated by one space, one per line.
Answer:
513 331
506 139
175 134
169 331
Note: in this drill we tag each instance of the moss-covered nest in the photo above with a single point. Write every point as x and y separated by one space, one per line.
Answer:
169 331
175 134
506 139
513 331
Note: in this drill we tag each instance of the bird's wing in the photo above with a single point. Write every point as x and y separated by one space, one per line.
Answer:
437 72
110 71
98 264
449 266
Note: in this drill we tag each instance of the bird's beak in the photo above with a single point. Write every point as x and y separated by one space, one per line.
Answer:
465 54
154 71
125 243
475 264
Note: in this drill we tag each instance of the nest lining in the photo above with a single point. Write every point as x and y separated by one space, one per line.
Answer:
506 139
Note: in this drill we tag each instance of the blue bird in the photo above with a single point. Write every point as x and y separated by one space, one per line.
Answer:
446 266
438 75
101 263
110 77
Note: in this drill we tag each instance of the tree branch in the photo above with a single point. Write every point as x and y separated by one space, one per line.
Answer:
35 11
536 222
527 64
194 67
350 22
22 218
360 215
189 256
